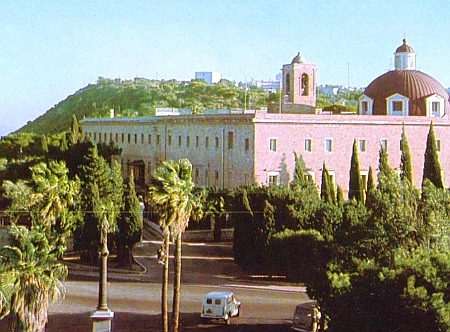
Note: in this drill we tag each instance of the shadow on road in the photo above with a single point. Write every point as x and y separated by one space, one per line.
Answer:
125 322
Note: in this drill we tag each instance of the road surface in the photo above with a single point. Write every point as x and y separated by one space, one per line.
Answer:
135 298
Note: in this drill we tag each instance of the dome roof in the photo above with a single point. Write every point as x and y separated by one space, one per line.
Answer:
404 48
298 59
412 84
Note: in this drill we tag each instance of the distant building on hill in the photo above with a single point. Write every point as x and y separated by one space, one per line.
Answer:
231 148
209 77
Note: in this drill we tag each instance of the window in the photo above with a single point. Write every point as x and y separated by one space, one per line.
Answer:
273 178
364 178
95 136
158 139
309 176
304 88
188 141
364 106
230 140
217 142
247 144
129 138
180 140
438 145
273 144
217 302
123 137
206 142
397 106
328 145
308 145
216 175
197 141
384 144
135 138
170 140
117 138
435 108
362 145
149 139
142 138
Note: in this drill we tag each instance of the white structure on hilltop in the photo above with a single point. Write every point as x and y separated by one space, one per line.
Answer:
209 77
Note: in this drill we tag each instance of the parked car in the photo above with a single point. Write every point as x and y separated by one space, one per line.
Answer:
221 305
306 317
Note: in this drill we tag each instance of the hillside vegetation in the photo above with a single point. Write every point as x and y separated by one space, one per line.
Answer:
141 97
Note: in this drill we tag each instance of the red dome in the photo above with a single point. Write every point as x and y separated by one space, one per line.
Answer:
412 84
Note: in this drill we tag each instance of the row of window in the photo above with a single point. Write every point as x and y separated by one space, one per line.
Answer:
308 144
400 107
181 140
328 145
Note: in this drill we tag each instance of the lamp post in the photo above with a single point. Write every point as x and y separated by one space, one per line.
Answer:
102 316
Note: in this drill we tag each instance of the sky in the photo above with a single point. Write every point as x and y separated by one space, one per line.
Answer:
50 49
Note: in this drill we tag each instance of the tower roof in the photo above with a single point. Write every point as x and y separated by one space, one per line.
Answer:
404 48
298 59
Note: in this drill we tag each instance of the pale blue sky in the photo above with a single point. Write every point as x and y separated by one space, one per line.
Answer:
51 48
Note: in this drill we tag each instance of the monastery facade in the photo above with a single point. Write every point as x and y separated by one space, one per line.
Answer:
233 148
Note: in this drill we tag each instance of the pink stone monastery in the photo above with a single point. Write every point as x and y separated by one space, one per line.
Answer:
233 148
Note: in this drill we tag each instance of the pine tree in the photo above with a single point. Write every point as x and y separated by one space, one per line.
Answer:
327 188
432 167
354 187
405 161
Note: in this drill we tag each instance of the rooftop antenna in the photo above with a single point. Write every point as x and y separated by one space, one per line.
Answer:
348 80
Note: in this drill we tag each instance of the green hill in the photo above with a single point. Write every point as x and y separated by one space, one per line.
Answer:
141 97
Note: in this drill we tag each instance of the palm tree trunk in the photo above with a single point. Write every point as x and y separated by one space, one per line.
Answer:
177 284
165 286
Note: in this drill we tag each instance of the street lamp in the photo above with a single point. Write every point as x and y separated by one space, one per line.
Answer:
102 316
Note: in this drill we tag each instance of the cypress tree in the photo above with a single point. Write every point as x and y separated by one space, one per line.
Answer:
130 224
339 196
432 167
405 161
383 164
74 130
370 187
355 187
299 174
370 180
95 196
327 189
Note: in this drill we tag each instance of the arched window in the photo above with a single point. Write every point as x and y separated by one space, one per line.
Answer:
287 84
305 85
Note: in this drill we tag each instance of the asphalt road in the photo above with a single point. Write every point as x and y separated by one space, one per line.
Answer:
135 297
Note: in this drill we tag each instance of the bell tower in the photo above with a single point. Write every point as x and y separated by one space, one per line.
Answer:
299 82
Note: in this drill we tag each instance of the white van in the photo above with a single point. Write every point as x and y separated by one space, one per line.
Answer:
220 305
306 317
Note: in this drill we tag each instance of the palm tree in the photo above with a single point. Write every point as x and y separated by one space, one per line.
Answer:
30 276
171 192
30 268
